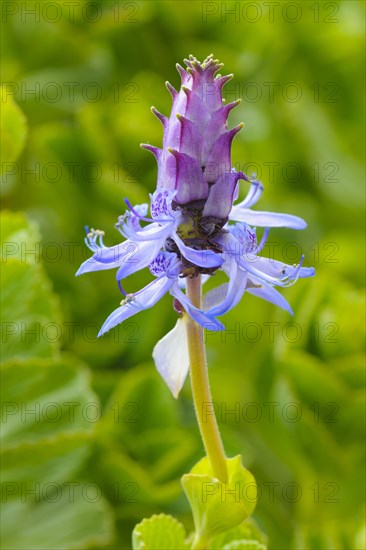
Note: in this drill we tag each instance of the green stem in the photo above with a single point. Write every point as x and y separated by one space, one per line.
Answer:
200 544
201 387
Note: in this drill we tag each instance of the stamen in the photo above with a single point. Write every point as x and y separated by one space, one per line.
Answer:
129 298
295 275
91 239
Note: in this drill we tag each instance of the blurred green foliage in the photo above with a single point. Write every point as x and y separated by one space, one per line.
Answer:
78 81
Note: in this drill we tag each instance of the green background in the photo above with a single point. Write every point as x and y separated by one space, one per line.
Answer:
107 443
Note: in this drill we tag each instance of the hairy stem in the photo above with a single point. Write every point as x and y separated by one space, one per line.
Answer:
201 387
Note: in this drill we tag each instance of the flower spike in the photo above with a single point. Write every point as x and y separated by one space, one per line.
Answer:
195 228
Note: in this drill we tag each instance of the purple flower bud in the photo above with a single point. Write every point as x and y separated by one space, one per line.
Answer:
195 158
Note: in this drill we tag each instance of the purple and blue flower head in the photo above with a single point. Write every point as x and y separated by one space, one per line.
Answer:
196 226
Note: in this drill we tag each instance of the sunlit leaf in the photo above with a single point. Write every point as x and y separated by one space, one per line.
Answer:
13 128
159 533
218 506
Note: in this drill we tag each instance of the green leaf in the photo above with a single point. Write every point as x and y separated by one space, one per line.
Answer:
13 128
48 419
160 532
18 235
247 532
42 463
144 415
218 506
45 398
30 316
67 520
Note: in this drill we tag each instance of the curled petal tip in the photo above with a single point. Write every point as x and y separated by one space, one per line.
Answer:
223 79
234 104
232 133
181 71
154 150
171 89
163 119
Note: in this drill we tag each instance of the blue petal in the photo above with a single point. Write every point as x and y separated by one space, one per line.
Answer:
253 195
144 299
235 289
274 268
203 319
151 232
140 256
108 257
215 296
274 272
270 294
202 258
266 219
91 264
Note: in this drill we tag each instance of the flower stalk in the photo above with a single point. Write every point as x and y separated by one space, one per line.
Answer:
201 386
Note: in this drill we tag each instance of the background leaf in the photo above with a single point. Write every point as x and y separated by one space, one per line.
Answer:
13 129
289 392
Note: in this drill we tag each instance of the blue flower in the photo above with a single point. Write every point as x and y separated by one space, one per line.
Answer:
196 227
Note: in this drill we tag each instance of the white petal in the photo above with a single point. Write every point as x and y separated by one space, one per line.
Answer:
171 357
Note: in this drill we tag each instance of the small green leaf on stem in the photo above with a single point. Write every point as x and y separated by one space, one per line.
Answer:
218 506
